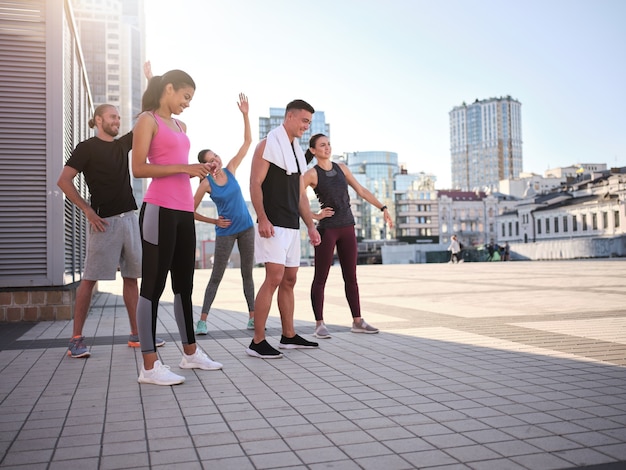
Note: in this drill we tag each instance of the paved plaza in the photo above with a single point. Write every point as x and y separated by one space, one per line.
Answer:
516 365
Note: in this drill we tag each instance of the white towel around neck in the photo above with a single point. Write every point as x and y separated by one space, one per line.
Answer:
278 150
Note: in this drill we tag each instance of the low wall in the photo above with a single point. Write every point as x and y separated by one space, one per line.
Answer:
544 250
32 304
570 249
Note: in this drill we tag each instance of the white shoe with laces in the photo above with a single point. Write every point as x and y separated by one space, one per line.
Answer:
199 360
160 374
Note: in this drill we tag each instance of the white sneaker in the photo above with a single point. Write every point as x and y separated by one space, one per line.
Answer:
159 375
199 360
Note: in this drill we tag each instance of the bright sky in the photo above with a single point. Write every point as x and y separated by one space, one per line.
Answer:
387 73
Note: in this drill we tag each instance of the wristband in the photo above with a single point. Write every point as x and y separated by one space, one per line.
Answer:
382 209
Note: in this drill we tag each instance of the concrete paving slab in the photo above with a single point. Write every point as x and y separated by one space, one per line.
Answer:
518 365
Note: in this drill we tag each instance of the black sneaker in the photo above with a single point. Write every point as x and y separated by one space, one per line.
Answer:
263 350
297 342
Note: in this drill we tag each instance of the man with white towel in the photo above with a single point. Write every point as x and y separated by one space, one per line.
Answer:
279 198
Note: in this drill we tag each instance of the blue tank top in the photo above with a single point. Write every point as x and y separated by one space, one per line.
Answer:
230 204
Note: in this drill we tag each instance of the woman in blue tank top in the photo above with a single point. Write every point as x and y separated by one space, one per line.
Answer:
233 224
336 226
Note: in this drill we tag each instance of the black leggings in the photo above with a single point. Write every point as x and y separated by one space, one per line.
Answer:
345 240
169 245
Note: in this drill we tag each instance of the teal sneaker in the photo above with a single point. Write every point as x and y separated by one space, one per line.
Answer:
201 328
251 324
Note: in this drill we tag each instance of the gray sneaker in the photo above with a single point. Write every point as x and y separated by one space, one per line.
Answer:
321 332
77 347
363 327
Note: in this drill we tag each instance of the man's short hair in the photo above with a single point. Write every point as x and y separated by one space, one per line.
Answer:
299 104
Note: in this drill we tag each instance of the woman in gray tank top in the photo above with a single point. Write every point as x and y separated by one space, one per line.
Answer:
336 226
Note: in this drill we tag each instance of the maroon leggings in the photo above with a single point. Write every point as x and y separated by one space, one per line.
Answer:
345 241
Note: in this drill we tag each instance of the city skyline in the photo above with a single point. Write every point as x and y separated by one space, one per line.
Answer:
387 76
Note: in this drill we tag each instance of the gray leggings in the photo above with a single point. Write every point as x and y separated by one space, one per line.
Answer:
223 248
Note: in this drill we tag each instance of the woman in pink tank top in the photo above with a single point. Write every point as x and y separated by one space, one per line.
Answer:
161 152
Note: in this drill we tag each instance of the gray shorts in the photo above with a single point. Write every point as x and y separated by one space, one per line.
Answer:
118 247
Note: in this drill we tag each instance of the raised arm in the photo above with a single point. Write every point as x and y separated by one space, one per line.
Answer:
366 194
234 163
147 70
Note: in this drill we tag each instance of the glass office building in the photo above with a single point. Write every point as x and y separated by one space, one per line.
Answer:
485 143
376 171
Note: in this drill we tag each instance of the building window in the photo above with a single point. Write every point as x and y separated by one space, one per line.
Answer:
594 221
616 217
556 225
517 228
605 220
574 223
547 225
503 230
584 222
565 223
539 226
510 229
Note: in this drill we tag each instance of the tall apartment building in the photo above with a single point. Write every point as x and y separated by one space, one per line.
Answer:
485 143
276 117
111 36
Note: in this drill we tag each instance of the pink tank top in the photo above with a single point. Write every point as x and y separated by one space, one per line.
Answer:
170 147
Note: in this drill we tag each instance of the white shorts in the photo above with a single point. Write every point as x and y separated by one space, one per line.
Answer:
283 248
118 247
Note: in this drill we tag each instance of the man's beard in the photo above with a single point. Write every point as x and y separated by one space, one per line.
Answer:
109 130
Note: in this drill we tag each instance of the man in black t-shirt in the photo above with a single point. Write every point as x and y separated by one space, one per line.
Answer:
113 240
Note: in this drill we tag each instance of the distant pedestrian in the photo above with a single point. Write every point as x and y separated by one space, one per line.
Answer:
490 250
454 249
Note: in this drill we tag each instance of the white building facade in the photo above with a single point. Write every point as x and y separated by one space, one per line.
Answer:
591 209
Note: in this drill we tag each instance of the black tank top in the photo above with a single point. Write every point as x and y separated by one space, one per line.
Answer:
332 191
281 197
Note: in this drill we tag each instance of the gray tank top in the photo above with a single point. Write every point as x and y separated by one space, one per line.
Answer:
332 191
